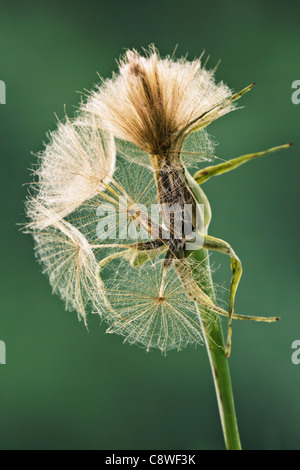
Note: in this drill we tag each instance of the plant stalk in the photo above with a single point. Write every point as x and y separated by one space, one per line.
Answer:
214 341
215 346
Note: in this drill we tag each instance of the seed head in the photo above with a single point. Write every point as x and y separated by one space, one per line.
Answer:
154 103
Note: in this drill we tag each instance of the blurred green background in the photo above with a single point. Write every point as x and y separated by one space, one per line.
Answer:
66 388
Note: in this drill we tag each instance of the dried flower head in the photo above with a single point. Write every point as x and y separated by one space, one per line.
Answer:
152 294
155 102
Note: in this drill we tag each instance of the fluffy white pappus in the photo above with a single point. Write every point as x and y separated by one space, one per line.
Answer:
150 308
152 101
75 165
70 264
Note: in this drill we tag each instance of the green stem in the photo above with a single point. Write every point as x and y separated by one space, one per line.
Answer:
219 363
215 344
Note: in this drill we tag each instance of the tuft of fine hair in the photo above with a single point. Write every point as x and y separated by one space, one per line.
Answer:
73 167
70 264
154 103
